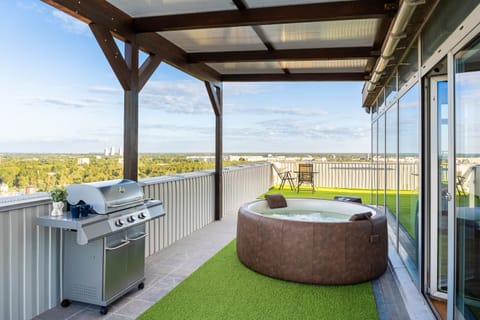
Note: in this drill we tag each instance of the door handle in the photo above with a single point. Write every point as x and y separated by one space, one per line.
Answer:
448 196
122 244
138 237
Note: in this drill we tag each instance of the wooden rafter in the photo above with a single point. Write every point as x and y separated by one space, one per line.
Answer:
104 14
147 69
112 53
295 77
262 16
284 55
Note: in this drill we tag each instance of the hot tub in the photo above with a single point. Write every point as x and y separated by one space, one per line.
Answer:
312 241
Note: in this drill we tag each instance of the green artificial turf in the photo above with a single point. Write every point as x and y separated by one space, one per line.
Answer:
223 288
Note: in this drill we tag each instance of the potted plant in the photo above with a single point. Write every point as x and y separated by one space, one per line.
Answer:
58 195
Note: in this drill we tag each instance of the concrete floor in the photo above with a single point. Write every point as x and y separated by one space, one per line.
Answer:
172 265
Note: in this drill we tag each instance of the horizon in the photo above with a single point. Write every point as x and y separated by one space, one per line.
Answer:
61 96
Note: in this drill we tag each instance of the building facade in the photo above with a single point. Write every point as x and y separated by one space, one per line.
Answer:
427 112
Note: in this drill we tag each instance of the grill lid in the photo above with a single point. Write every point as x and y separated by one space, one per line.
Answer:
106 196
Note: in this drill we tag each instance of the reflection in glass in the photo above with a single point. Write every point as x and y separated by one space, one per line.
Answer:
391 169
374 163
409 169
442 165
467 168
381 162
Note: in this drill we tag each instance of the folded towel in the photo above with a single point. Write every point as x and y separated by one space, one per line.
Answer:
276 201
361 216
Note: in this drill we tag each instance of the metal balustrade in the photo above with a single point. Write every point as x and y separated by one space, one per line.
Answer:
357 175
30 256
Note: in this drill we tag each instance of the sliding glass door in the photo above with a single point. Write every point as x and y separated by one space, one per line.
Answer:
467 182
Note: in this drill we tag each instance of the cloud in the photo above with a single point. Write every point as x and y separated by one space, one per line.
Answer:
69 23
68 103
278 130
279 110
189 97
107 90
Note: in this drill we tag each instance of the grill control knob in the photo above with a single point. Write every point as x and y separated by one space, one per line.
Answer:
141 215
119 223
131 219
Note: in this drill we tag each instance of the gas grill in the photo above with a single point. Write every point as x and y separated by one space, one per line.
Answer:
104 252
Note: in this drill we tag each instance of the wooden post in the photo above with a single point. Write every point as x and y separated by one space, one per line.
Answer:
130 116
132 78
215 92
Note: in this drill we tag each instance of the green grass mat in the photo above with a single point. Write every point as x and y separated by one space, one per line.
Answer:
223 288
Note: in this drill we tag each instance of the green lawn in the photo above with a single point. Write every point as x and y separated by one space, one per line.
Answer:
223 288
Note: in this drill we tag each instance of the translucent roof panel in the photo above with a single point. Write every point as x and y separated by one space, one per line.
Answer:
145 8
217 39
325 66
247 67
326 34
274 3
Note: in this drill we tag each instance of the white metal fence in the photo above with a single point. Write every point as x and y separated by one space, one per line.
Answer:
30 255
357 175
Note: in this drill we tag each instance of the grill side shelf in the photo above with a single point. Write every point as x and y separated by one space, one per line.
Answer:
88 228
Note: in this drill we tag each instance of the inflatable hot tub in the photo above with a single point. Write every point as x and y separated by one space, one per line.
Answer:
313 241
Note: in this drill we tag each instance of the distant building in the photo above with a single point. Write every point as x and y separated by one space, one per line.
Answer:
3 188
29 189
82 161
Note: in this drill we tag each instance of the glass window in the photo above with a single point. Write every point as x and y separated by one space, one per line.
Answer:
467 154
381 162
391 167
391 89
409 171
374 177
409 65
447 16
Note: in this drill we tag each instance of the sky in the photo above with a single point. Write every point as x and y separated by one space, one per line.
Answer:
59 95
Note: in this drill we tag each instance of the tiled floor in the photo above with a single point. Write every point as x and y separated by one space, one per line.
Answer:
169 267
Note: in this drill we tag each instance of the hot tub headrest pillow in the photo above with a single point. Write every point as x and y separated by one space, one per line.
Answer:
361 216
276 201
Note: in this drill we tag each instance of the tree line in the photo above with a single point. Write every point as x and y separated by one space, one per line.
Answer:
45 172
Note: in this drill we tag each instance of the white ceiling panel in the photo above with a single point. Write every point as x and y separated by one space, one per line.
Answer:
325 66
274 3
217 39
246 67
145 8
327 34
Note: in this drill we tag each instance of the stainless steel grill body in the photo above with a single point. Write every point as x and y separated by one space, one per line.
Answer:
104 253
106 196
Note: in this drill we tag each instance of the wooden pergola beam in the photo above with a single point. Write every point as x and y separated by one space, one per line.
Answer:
346 10
147 69
112 53
295 77
284 55
102 13
215 93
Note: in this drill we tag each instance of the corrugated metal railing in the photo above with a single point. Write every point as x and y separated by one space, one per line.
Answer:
30 255
356 175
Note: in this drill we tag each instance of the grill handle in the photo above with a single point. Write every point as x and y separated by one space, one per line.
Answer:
140 236
122 244
122 204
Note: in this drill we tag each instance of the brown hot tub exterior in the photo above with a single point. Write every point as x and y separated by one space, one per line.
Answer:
313 252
